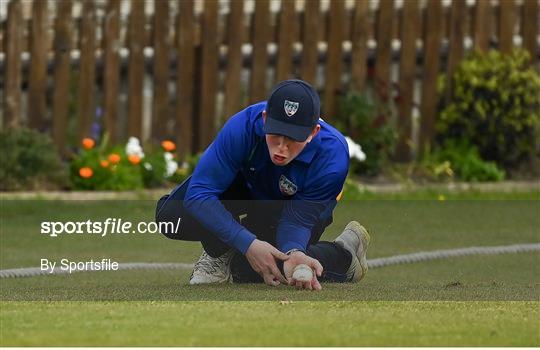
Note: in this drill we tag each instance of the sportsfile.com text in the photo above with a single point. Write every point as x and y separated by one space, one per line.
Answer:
103 228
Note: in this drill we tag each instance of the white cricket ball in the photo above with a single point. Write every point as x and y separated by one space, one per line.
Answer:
302 273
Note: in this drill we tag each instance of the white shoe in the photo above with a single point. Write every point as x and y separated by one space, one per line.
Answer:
212 270
355 238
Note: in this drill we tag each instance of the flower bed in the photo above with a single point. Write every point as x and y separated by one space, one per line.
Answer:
125 167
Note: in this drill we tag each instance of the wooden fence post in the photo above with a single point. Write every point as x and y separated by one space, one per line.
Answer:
481 25
410 31
428 108
208 74
85 108
310 38
37 107
12 73
160 113
506 25
384 49
359 42
530 28
61 94
286 21
259 54
334 60
455 48
112 69
136 69
235 38
185 77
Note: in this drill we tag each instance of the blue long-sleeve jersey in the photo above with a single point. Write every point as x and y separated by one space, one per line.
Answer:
309 184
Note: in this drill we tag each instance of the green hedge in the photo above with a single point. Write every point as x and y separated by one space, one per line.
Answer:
29 160
496 107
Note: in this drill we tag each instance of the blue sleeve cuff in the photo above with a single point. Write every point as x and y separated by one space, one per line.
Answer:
291 236
292 245
243 240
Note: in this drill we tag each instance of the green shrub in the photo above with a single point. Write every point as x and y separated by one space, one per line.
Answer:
496 106
366 122
29 161
462 160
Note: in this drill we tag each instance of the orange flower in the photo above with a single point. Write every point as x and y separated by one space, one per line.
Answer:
86 172
104 163
134 159
168 146
114 158
88 143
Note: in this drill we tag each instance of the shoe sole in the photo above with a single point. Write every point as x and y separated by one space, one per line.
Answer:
360 256
366 239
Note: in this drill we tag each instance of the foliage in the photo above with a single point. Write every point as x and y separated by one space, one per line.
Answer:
462 160
186 168
104 168
366 119
100 167
496 105
29 161
153 168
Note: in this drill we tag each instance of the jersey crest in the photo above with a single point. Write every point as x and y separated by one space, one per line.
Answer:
286 186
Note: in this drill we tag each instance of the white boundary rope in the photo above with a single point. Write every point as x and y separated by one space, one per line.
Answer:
373 263
451 253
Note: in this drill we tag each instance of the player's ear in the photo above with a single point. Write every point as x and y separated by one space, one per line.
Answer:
264 116
315 131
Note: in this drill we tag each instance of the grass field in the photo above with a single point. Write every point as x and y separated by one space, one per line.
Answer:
491 300
265 323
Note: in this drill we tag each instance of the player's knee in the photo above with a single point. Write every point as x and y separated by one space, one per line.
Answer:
163 217
160 206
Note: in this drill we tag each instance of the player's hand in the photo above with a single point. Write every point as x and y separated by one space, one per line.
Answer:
262 258
297 258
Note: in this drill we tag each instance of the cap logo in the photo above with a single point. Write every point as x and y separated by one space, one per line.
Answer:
290 107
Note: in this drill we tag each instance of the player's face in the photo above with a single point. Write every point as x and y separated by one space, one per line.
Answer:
283 149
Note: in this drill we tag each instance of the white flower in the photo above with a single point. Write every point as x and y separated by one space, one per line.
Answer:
133 147
171 168
147 166
170 164
355 150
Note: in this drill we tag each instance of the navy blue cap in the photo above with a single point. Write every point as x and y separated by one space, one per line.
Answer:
292 110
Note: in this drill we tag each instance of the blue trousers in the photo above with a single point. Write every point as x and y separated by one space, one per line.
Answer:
260 217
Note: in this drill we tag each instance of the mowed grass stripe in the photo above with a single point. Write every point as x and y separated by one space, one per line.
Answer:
270 323
492 277
397 227
372 263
